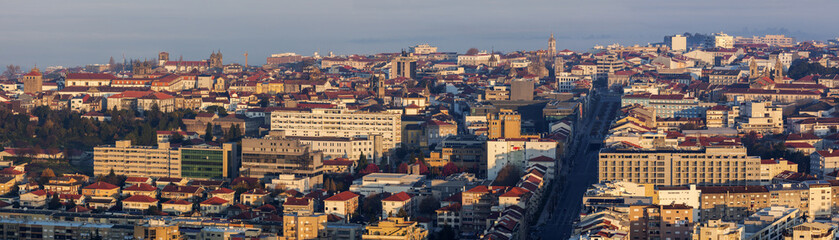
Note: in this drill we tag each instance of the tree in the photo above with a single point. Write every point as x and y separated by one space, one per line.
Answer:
371 168
450 168
112 64
362 163
428 205
472 51
447 233
176 138
54 203
508 176
153 210
45 177
402 213
403 168
11 71
208 133
70 205
371 207
263 102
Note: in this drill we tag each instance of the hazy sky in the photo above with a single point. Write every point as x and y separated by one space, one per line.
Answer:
70 33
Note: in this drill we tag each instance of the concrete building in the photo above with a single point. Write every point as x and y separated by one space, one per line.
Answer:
395 229
770 223
505 123
824 162
811 231
761 117
376 183
210 162
137 161
718 230
676 42
660 222
720 40
273 155
728 165
422 49
521 90
404 65
516 152
33 81
304 226
342 147
341 123
343 204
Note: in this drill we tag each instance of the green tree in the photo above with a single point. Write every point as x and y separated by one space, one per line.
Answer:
208 133
429 205
176 138
402 213
54 203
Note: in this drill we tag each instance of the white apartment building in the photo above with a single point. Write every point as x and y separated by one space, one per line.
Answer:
423 49
762 117
516 152
344 147
140 161
340 123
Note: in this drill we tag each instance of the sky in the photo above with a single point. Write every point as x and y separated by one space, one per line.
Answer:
75 33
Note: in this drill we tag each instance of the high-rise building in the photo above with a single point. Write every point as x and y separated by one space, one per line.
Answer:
341 123
504 124
33 81
521 90
676 42
404 65
720 40
274 154
209 162
516 152
660 222
304 226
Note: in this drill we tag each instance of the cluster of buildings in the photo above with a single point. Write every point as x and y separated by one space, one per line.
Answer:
686 158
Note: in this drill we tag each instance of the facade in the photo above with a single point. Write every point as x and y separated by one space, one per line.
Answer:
395 229
273 155
423 49
209 162
711 166
761 117
770 223
667 106
504 124
137 161
33 81
716 229
824 162
391 206
341 123
404 66
342 204
304 225
342 147
811 231
516 152
660 222
521 90
676 42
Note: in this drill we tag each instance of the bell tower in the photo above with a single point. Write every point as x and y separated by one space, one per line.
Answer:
552 46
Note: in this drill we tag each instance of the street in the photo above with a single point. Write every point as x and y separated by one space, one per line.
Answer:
579 171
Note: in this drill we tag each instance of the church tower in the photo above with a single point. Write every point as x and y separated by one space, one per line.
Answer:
162 58
33 81
215 60
552 46
753 74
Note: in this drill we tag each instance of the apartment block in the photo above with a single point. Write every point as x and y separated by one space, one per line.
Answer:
137 161
717 165
274 154
660 222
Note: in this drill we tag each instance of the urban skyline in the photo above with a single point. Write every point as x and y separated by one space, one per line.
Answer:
54 33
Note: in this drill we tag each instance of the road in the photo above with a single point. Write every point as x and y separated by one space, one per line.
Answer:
579 171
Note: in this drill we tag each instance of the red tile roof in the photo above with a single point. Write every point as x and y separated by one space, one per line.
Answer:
140 198
399 197
101 185
222 191
214 201
141 187
178 202
293 201
343 196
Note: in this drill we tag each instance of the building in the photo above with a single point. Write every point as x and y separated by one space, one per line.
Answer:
341 123
33 81
761 117
273 155
505 123
824 162
422 49
716 229
138 203
676 42
516 152
393 205
405 65
137 161
209 162
342 147
521 90
344 231
718 165
720 40
88 79
11 228
376 183
667 105
769 168
811 231
343 204
660 222
395 229
552 46
770 223
304 225
298 205
284 58
157 230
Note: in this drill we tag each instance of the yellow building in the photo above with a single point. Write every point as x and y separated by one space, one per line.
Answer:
137 161
810 231
504 124
157 230
304 226
718 230
270 87
395 229
33 81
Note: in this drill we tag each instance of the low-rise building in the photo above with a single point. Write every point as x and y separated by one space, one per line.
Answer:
343 204
395 229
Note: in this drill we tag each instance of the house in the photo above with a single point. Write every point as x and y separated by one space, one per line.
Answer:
254 197
176 207
63 185
77 199
162 182
397 202
214 205
342 204
823 162
130 181
449 215
37 198
13 172
138 203
101 190
298 205
181 192
6 185
224 193
140 189
101 203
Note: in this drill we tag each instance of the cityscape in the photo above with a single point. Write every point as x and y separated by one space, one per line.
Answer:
694 135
